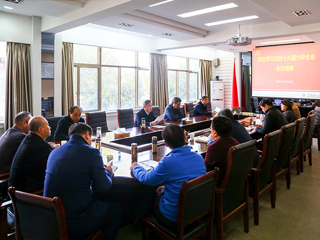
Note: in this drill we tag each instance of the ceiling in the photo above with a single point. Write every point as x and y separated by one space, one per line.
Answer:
276 20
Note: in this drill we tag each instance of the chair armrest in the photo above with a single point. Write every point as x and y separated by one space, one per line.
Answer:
4 175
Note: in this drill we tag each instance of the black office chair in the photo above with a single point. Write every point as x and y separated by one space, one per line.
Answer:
97 119
53 122
188 108
125 118
196 201
156 111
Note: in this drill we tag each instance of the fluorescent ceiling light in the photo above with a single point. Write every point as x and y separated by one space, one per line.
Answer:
232 20
280 41
6 7
208 10
159 3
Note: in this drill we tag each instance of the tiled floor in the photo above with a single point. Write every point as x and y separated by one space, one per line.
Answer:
296 216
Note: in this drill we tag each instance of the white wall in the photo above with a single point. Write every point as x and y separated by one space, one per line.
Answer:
15 28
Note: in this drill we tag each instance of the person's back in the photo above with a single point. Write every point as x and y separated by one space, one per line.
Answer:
30 161
76 174
11 140
290 116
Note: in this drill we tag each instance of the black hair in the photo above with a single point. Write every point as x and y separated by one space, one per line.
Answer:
227 113
19 118
173 135
265 101
204 97
80 128
222 125
287 103
74 107
176 100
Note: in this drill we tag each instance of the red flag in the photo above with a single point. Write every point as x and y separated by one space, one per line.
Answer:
243 92
235 101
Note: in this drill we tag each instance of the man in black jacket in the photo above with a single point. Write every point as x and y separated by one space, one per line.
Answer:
11 140
65 123
273 120
29 163
201 107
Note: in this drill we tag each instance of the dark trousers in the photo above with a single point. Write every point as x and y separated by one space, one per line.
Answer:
113 220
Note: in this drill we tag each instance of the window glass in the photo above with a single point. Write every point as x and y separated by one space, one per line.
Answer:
178 63
183 86
172 79
75 85
143 86
193 82
85 54
109 92
127 87
194 65
143 60
118 57
3 46
89 88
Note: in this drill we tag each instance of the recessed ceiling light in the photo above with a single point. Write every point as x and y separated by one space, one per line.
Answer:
168 34
280 41
208 10
126 24
232 20
14 1
6 7
149 35
301 13
160 3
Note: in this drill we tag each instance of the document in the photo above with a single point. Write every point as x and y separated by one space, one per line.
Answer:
148 164
160 118
202 139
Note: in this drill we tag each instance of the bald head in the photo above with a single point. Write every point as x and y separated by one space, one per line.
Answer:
39 125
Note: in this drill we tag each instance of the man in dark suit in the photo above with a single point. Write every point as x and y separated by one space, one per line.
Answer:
11 140
201 107
64 124
76 174
30 161
273 120
172 111
147 113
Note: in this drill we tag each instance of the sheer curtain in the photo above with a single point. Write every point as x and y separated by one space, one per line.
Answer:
67 77
206 76
18 81
159 94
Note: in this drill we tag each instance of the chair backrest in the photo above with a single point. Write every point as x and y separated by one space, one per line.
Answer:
209 107
97 119
297 137
53 122
306 136
239 163
196 200
156 110
38 217
125 118
286 141
269 153
188 108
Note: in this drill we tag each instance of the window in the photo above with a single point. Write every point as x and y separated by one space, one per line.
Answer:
183 78
3 46
120 80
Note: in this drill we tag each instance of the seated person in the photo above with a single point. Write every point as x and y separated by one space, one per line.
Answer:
173 112
11 139
239 133
76 174
64 124
273 120
296 110
217 152
286 107
30 161
147 113
201 107
316 106
177 166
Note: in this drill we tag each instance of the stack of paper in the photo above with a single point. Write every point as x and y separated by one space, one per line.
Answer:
202 139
